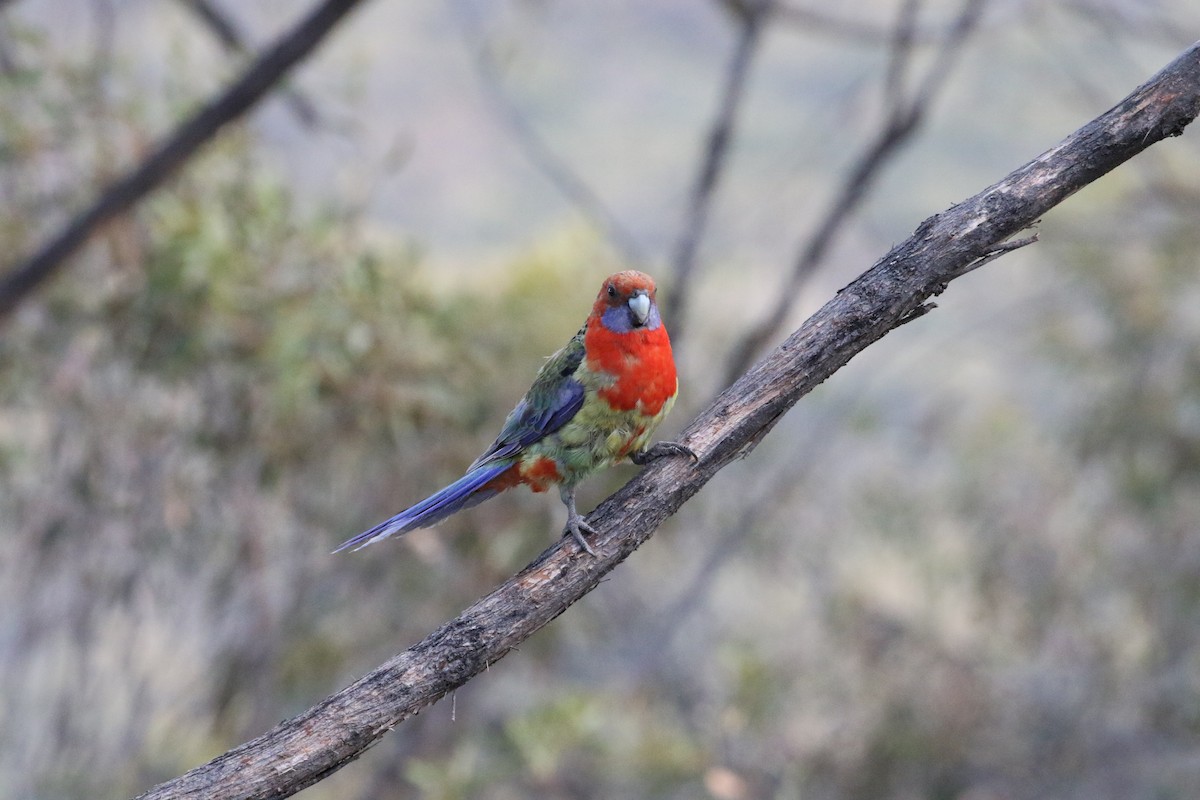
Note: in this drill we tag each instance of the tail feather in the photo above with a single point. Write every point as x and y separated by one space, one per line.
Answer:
465 492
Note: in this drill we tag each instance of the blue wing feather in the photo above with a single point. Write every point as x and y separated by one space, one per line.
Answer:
463 493
555 397
527 424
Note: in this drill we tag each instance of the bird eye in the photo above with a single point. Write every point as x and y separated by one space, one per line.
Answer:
612 290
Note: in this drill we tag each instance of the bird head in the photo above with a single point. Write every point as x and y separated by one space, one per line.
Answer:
626 302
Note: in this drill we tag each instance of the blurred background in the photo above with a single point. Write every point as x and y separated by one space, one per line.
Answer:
968 566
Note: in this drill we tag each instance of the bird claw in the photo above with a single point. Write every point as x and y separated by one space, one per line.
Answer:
662 450
577 528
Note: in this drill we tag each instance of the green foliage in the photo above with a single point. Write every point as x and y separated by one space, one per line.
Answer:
563 745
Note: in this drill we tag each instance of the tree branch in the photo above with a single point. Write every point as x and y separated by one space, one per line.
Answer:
541 156
824 23
904 117
120 196
226 31
750 17
303 750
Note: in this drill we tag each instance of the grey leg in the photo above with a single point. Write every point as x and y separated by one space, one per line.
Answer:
575 523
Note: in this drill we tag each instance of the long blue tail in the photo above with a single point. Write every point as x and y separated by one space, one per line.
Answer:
463 493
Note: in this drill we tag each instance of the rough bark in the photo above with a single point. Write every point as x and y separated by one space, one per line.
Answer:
303 750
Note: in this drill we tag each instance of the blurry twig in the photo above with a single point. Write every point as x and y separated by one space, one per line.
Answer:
543 158
1147 21
226 32
785 479
751 17
302 751
867 33
904 116
8 62
182 144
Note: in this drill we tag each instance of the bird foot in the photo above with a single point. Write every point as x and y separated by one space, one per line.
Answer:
663 450
577 528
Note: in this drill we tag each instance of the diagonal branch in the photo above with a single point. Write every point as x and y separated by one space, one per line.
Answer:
226 31
119 197
751 19
867 33
303 750
902 122
541 156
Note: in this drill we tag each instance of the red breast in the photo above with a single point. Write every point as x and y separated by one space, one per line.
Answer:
639 360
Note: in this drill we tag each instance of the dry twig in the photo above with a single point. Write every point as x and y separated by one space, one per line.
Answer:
822 22
905 115
750 18
542 157
227 33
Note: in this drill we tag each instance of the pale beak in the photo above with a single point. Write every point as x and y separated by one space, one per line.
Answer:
639 304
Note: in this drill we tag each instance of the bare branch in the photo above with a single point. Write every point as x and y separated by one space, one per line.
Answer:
122 195
543 158
900 50
1147 21
943 66
227 33
670 617
303 750
751 19
868 33
898 128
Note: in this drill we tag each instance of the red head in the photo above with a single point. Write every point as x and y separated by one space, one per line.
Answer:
627 303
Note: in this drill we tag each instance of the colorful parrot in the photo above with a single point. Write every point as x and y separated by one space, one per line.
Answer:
594 403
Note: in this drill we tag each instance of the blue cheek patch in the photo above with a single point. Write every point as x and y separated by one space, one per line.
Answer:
619 319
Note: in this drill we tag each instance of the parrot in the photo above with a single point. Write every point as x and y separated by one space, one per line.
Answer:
594 403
